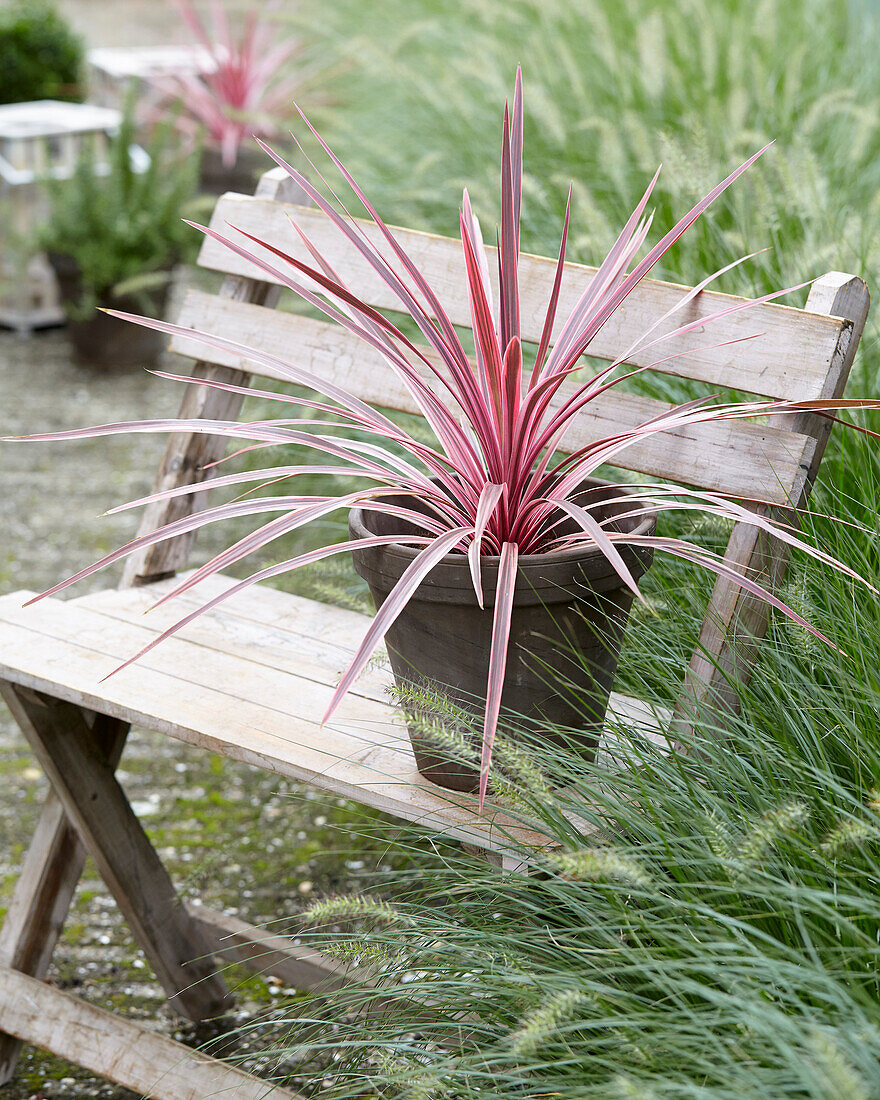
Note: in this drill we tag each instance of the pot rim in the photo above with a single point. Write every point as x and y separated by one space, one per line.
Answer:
643 526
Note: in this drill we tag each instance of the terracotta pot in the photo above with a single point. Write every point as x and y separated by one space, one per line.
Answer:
103 341
568 601
216 178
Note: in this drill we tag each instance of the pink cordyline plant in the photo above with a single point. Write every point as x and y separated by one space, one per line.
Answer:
242 94
493 483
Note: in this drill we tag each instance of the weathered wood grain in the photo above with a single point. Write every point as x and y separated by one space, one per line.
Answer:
122 1051
792 355
241 705
738 458
306 637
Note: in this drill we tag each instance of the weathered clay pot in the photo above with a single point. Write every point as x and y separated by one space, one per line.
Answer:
216 178
568 601
103 341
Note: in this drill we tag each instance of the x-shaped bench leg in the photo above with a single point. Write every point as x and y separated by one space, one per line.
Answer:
79 758
52 867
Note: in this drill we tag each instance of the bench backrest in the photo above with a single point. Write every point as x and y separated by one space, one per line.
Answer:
800 354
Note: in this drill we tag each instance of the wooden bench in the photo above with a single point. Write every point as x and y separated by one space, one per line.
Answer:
252 679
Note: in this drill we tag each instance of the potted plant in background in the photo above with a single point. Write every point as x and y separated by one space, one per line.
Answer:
466 539
244 90
113 239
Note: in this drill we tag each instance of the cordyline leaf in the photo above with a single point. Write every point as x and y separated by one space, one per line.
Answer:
508 251
444 339
472 226
286 370
284 525
516 153
379 426
511 391
484 333
577 315
272 434
577 343
550 316
489 499
277 473
446 327
364 455
169 530
504 594
244 90
700 556
686 299
440 419
714 504
593 528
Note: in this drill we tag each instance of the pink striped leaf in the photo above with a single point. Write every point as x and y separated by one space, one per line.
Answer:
488 502
593 528
262 575
503 613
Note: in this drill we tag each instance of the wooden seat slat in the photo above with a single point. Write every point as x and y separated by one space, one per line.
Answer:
265 713
738 458
285 632
276 628
791 356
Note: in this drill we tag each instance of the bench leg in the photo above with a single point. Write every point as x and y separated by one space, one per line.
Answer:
82 779
50 871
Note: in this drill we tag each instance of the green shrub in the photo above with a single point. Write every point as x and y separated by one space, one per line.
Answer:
40 56
124 229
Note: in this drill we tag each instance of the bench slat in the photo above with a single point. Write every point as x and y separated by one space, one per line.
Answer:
287 633
272 723
293 634
791 358
738 458
224 689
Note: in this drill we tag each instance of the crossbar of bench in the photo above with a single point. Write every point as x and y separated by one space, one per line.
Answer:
121 1050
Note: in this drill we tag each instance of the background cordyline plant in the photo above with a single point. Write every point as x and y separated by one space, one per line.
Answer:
245 91
494 484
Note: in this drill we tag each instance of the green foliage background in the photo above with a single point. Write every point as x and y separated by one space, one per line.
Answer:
40 56
612 90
